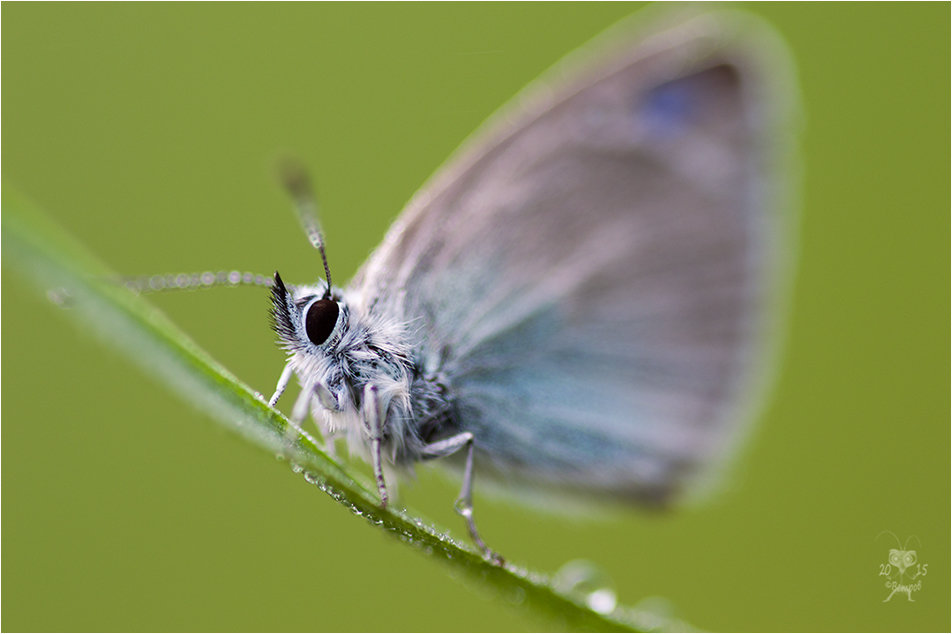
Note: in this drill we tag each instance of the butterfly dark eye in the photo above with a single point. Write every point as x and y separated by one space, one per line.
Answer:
320 320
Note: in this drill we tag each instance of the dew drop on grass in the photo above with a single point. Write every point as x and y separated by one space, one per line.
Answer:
313 478
589 583
655 613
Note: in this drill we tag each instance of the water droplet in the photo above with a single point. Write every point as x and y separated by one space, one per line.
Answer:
586 581
602 601
654 613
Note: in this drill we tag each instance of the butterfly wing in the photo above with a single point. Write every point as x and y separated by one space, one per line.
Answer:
591 275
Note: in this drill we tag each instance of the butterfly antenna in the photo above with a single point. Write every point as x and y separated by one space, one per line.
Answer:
191 281
305 203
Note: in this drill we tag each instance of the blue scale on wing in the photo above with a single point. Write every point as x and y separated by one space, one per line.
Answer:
669 109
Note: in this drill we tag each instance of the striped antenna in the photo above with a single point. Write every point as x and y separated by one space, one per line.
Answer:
298 184
191 281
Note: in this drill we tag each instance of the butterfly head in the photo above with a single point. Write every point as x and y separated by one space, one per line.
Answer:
337 350
307 319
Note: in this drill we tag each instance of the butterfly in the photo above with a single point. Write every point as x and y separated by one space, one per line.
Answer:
579 302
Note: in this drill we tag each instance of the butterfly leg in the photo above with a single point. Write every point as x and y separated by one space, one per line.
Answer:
464 503
300 410
374 419
282 385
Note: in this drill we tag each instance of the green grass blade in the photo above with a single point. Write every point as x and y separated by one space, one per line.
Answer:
40 251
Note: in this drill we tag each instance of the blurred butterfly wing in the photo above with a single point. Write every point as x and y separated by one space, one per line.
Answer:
590 276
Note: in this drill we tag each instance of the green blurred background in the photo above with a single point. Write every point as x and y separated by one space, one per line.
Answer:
148 131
